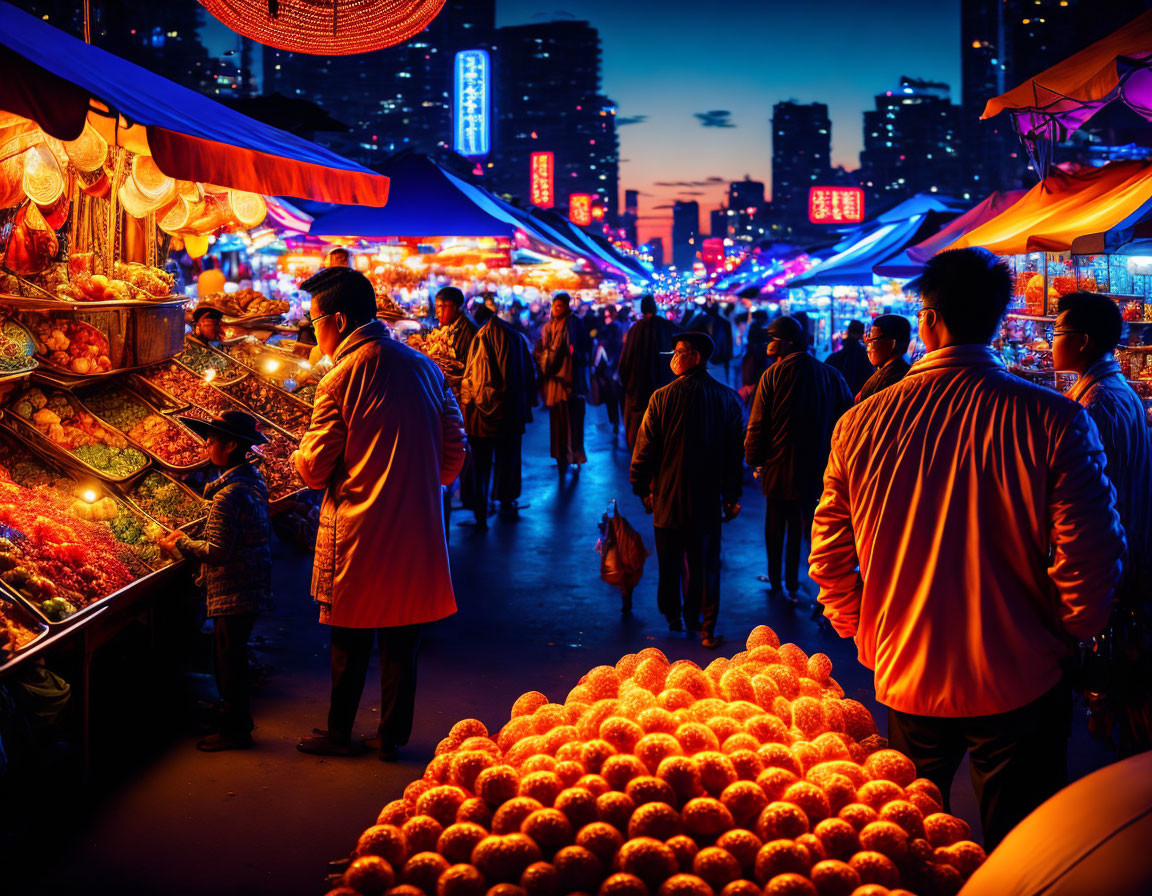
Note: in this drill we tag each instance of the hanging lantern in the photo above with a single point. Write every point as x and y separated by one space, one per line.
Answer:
151 182
195 246
43 181
176 217
326 27
88 151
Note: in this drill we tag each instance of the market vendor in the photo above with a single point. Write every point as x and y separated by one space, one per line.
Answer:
450 315
206 324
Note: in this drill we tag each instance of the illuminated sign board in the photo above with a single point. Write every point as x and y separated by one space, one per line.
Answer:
543 191
580 209
473 103
835 205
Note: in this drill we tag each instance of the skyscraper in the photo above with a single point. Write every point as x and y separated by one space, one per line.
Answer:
631 215
911 143
685 234
746 208
801 157
548 99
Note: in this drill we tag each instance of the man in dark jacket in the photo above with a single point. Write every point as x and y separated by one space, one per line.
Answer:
852 358
461 330
719 328
797 403
887 343
686 467
643 370
496 395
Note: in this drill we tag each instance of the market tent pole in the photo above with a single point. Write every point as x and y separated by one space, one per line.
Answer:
61 83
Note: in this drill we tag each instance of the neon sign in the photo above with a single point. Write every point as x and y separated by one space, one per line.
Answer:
580 209
473 103
835 205
543 167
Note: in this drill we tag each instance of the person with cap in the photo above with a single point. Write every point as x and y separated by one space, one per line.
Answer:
851 359
643 368
237 565
206 324
687 468
563 357
886 342
385 436
967 539
797 402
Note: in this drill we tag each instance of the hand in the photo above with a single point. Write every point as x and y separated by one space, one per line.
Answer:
756 472
731 511
168 543
649 506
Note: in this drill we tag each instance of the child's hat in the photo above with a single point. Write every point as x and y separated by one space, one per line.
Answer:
230 425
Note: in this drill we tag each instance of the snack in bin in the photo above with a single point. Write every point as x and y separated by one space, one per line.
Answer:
55 417
153 282
270 403
17 347
279 472
246 303
165 501
178 382
16 629
201 360
153 432
71 345
658 777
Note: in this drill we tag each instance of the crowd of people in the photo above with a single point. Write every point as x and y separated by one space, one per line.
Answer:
966 528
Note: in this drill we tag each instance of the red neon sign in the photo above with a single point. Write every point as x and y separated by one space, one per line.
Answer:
543 169
835 205
580 209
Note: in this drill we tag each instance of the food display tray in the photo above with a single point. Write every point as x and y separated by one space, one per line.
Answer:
29 618
124 492
287 396
28 432
168 404
225 360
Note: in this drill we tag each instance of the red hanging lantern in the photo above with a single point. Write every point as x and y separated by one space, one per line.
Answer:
326 27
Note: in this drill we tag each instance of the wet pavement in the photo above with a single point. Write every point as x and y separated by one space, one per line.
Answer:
534 615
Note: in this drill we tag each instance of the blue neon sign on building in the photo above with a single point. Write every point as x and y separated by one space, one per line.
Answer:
473 103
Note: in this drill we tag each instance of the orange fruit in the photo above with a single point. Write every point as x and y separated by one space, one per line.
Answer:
439 770
421 834
503 859
506 890
540 879
764 688
782 708
716 867
615 808
964 855
768 729
650 789
467 728
558 737
946 879
396 812
742 845
604 682
423 870
716 771
879 792
528 703
858 722
681 774
483 743
808 716
761 636
635 700
618 770
684 885
775 781
517 729
621 884
885 837
658 820
847 768
706 818
652 748
795 658
685 849
858 815
621 733
600 839
581 695
781 821
657 720
785 679
790 884
549 828
736 684
875 868
694 737
689 677
890 765
626 665
744 800
543 787
831 746
569 772
497 784
834 878
441 803
741 888
549 716
716 669
476 811
467 765
386 841
838 838
672 699
369 875
839 791
724 727
590 720
594 784
511 815
651 674
524 749
780 857
593 754
461 880
906 815
810 688
579 869
570 752
747 763
648 859
926 787
819 667
578 804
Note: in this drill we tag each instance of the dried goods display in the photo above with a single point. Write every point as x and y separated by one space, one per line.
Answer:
307 393
177 382
77 281
71 345
664 777
279 471
61 564
201 360
166 501
65 424
17 629
245 303
270 403
276 365
154 432
388 308
17 348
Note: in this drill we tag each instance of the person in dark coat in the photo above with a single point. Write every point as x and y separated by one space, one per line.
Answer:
496 397
887 342
450 315
643 369
798 401
719 328
755 353
851 359
687 468
563 357
609 345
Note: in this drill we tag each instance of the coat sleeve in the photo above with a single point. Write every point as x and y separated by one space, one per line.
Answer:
1086 535
733 479
468 384
833 563
649 448
322 447
218 545
754 438
453 439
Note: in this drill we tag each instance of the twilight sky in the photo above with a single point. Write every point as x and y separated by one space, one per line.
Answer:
673 61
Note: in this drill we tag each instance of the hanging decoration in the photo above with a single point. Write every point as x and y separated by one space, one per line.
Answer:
326 27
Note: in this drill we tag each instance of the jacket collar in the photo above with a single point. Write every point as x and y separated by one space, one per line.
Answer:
1103 368
953 356
373 330
232 474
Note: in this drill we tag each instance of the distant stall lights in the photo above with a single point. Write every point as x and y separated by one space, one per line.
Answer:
835 205
543 171
473 103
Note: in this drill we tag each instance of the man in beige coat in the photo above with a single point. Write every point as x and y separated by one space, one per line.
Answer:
386 434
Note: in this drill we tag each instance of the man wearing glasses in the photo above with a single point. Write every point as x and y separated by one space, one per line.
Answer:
886 343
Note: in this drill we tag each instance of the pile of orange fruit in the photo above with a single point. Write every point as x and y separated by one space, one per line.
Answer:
751 777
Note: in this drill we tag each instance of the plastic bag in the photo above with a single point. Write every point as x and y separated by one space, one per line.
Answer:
622 552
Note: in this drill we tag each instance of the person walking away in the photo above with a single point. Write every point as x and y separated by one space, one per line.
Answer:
385 435
966 538
236 566
338 258
887 342
797 402
755 360
719 328
687 468
563 356
851 359
497 395
643 368
610 343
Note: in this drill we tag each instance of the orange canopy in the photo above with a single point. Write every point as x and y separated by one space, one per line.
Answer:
1095 207
1057 101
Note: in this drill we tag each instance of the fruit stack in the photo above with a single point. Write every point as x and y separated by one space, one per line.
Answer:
752 777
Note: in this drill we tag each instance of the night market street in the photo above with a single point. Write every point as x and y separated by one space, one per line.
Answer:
534 615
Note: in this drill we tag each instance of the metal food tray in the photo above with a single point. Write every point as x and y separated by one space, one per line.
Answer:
23 427
288 396
261 462
156 459
125 489
97 606
29 618
156 395
220 378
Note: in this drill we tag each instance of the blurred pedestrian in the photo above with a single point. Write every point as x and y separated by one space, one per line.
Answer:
563 357
385 435
797 402
966 538
461 330
851 359
687 469
719 327
643 366
886 342
609 345
755 354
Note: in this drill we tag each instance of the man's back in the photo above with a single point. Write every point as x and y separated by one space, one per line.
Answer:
852 362
496 392
947 491
642 369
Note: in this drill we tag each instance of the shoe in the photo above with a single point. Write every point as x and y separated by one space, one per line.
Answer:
675 626
323 745
388 752
711 641
218 743
793 598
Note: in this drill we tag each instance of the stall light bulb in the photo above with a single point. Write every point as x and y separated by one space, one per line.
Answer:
272 365
90 496
209 375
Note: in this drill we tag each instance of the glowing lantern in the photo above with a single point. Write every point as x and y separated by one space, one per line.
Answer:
543 170
195 245
580 209
835 205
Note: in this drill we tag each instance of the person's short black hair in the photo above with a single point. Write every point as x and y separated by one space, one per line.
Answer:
343 290
647 304
451 294
1094 315
562 297
856 328
970 290
894 326
340 252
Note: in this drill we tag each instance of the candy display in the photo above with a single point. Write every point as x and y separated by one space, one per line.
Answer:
55 416
166 501
279 471
71 345
268 402
201 360
176 381
154 432
664 777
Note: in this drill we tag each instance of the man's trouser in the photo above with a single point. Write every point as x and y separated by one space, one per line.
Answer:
689 561
351 651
